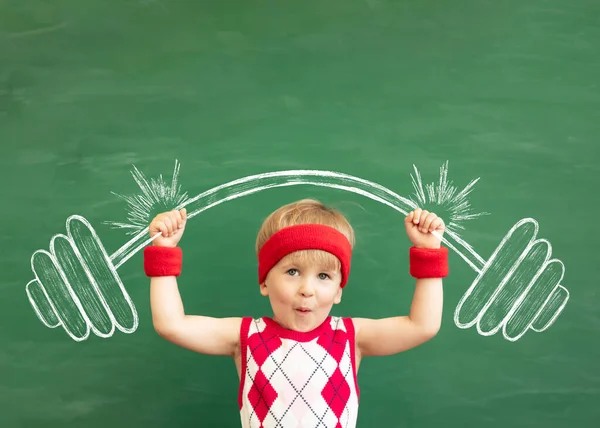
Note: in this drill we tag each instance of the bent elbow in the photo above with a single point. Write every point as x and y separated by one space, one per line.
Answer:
164 329
430 332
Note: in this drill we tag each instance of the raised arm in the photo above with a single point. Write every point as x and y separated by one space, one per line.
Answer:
392 335
162 262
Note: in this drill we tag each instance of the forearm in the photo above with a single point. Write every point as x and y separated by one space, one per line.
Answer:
429 264
165 303
426 308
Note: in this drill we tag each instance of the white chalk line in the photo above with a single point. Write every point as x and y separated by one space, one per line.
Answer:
68 287
34 282
476 262
479 261
522 297
245 193
520 300
558 311
113 271
76 300
298 174
501 285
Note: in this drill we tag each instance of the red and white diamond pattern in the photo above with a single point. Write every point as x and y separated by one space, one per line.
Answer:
292 384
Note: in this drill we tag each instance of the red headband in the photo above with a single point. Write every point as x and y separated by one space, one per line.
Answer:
304 237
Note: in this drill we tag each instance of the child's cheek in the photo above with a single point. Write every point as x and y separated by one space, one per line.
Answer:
279 295
287 298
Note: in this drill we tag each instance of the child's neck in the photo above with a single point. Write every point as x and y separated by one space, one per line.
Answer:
298 335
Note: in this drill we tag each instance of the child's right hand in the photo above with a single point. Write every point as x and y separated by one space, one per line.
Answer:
171 224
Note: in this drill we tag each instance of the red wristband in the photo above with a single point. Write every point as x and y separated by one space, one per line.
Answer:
428 262
162 261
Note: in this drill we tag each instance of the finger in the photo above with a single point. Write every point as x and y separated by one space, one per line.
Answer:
434 224
439 224
168 224
177 220
422 216
154 226
174 227
161 227
426 223
417 215
184 214
409 217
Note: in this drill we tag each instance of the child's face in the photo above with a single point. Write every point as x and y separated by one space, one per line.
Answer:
302 293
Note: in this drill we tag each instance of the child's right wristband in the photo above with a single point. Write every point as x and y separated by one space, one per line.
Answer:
162 261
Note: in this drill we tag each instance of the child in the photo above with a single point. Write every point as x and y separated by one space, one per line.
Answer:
299 368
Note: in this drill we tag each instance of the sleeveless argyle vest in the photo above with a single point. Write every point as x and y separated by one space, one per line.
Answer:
292 379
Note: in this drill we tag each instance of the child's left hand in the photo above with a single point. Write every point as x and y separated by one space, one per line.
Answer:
419 225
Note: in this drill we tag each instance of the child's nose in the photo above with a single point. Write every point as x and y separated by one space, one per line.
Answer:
306 289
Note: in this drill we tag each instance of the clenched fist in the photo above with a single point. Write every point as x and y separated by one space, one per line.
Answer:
419 225
171 225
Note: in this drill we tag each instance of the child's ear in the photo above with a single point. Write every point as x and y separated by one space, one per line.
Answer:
263 289
338 296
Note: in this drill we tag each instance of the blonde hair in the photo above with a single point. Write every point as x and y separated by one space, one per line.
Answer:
306 211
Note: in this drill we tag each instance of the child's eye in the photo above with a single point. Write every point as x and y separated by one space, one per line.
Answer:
292 272
323 276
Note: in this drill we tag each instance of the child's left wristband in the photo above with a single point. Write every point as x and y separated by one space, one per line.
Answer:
162 261
428 262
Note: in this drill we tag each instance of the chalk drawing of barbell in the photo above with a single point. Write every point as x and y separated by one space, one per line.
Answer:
518 288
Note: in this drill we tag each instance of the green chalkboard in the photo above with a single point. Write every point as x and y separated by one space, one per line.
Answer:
489 111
